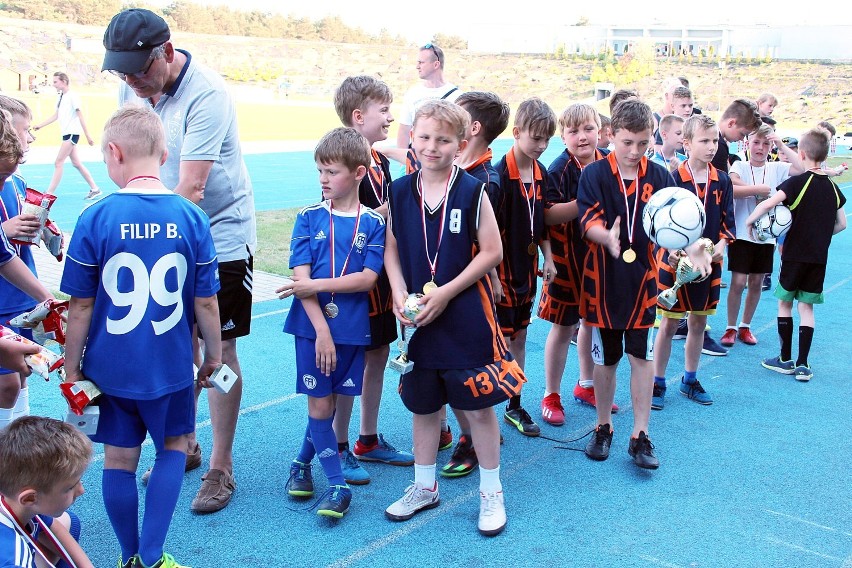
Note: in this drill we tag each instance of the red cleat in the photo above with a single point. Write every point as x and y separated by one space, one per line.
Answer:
587 396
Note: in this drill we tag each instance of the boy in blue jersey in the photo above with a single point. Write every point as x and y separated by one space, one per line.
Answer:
619 275
14 143
444 241
141 270
489 116
520 216
42 461
363 103
697 299
671 134
337 255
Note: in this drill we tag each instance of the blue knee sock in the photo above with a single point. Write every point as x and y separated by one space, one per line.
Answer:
325 443
690 377
660 381
307 451
121 499
74 529
160 502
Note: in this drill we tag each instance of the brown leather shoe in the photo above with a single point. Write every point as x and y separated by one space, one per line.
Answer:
215 492
193 461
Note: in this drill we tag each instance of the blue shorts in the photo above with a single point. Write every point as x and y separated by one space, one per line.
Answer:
346 379
124 422
28 333
74 138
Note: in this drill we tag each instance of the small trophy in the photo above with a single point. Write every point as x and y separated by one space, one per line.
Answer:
684 274
401 364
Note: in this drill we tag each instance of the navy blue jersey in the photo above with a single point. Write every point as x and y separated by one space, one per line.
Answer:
617 294
12 197
484 171
466 334
518 271
311 245
144 255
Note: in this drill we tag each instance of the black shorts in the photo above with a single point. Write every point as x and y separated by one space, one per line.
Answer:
425 391
747 257
609 345
235 281
514 319
801 281
74 138
382 330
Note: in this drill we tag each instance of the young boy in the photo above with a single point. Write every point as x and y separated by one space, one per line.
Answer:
560 299
604 133
141 270
699 299
363 103
671 135
738 121
619 276
444 240
72 124
14 143
748 258
817 206
337 251
42 461
520 216
489 116
680 103
766 104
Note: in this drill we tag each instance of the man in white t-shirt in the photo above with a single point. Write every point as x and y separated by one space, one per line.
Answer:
430 69
72 124
748 259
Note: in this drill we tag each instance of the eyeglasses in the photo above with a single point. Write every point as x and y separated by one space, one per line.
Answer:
137 75
435 51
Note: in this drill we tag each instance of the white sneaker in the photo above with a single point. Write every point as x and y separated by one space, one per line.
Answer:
492 513
93 193
415 499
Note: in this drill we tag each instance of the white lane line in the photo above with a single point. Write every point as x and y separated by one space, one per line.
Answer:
807 522
267 314
659 562
801 548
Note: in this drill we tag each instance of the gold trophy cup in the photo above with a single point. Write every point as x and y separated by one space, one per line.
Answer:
684 274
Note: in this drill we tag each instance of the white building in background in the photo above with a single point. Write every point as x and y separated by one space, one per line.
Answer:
787 42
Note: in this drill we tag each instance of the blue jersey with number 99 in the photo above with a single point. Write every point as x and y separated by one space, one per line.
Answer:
144 255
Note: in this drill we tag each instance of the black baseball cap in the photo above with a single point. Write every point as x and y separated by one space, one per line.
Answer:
130 38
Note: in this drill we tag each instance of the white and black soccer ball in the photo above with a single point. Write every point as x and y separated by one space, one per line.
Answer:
773 223
674 218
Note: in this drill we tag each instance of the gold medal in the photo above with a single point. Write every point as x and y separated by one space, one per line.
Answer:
532 249
629 255
429 286
331 310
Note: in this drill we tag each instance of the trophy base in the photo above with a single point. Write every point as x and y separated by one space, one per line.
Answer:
400 366
666 301
87 423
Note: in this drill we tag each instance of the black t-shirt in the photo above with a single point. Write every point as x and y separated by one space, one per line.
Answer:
813 216
720 160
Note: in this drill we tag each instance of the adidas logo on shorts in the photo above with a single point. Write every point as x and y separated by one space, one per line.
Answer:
349 383
326 453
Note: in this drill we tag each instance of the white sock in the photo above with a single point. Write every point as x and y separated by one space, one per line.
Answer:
6 417
745 325
547 393
731 327
22 405
586 383
424 476
489 480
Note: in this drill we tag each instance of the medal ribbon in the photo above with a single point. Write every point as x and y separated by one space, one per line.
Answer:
530 204
631 222
331 240
433 264
706 185
19 528
377 179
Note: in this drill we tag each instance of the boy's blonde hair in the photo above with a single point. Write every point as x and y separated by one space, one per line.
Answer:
356 93
15 107
763 131
137 130
449 113
577 115
767 98
632 115
681 93
11 151
343 145
695 123
814 144
536 117
666 121
38 452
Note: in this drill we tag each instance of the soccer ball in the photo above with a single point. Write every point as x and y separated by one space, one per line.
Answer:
412 306
773 223
674 218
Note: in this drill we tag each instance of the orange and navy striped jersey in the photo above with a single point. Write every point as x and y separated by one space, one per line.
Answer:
518 271
566 239
373 192
482 170
466 334
719 212
617 294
